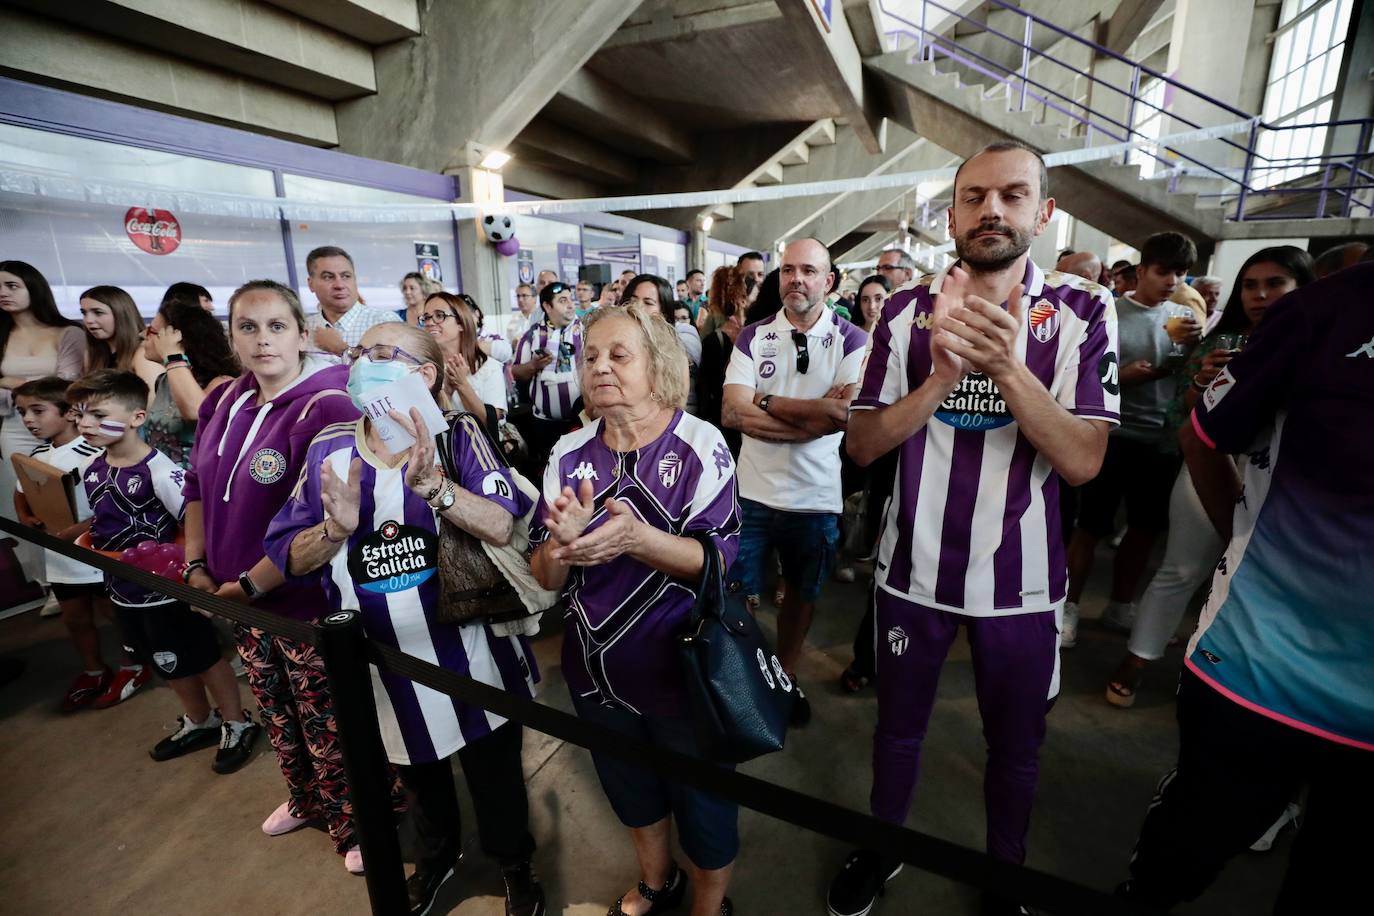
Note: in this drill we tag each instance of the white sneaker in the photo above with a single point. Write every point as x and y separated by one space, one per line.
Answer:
844 574
1068 628
1119 616
1290 814
51 608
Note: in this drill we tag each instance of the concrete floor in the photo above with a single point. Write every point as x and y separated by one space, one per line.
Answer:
90 824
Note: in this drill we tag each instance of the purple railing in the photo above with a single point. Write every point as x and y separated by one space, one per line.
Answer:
1254 176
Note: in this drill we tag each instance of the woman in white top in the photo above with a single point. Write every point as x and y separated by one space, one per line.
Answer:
473 380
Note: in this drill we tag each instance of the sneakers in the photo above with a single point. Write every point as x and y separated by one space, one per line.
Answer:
1119 616
1068 629
859 884
86 689
353 861
188 737
801 708
844 574
524 893
423 886
1266 842
125 683
235 744
282 821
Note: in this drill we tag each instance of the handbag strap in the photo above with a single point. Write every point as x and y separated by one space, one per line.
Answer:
711 589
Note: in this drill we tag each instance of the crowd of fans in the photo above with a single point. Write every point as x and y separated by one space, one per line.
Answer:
970 437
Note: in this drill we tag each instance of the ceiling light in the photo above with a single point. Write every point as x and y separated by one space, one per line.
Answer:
707 223
493 160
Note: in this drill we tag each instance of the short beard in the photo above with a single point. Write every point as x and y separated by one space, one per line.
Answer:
1001 255
804 309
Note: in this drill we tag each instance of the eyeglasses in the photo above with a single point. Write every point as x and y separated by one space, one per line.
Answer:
436 317
381 353
803 357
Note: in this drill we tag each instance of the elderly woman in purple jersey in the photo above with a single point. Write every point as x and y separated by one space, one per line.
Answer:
622 499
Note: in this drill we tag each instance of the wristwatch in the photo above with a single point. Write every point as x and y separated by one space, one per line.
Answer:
173 359
763 402
250 591
446 498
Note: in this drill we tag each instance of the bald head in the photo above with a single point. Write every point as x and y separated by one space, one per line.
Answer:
804 276
1082 263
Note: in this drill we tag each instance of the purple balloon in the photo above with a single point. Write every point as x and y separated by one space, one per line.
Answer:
144 548
508 247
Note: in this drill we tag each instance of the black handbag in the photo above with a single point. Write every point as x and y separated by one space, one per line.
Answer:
739 695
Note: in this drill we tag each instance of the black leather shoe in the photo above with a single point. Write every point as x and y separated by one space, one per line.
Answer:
423 886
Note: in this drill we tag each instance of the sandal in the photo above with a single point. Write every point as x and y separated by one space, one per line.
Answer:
852 681
661 900
1125 682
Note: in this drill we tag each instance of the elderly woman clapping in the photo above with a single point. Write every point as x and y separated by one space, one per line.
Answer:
623 500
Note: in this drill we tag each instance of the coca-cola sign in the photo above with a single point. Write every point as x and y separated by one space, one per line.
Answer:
153 231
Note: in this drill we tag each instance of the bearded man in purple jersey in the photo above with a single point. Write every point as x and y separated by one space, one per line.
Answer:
989 406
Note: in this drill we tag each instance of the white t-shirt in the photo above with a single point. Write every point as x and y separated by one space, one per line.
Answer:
71 458
490 384
800 476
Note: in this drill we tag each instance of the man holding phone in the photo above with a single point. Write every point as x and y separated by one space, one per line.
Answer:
546 357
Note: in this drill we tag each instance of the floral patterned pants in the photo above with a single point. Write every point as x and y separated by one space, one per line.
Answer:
289 684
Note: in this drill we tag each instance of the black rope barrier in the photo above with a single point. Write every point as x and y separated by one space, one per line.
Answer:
346 653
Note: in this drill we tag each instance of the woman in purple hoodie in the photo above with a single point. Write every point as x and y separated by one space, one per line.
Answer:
251 442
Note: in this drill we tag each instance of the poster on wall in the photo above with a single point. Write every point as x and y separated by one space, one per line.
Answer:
650 262
525 265
154 232
427 261
569 258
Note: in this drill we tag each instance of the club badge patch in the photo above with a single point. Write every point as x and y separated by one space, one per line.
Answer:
669 466
394 558
267 466
1044 321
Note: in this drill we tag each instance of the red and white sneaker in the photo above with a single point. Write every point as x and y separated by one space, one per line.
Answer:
85 689
125 684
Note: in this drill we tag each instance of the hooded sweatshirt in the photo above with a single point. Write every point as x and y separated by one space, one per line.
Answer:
246 460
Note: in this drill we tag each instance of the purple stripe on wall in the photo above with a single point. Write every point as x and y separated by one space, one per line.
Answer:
957 527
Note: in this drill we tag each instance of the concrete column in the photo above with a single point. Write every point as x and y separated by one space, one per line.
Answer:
1198 59
1089 238
483 279
696 250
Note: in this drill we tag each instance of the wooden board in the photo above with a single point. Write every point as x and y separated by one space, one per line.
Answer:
49 492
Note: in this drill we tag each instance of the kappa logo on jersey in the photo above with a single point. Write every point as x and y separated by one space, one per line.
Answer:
767 368
763 666
583 471
1366 350
1221 386
1044 320
1109 374
668 468
975 404
495 484
771 335
267 466
897 640
92 477
924 320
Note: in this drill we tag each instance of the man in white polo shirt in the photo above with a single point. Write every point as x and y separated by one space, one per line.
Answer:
787 389
993 380
342 320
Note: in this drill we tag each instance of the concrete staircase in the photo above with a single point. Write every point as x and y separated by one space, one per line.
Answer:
781 166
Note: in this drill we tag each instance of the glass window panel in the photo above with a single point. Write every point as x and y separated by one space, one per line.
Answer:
1302 40
1331 73
1312 80
1283 48
1325 22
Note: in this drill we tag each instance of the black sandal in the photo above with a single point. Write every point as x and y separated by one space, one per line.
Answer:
661 900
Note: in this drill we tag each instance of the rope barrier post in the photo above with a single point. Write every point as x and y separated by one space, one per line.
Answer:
343 648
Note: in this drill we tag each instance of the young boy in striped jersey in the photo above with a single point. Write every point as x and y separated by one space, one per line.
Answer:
989 405
43 409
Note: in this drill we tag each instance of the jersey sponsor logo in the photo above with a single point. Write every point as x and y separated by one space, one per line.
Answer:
394 558
975 404
771 335
1367 350
669 466
1221 386
1109 374
267 466
768 350
924 320
165 661
583 471
495 484
897 640
767 368
1044 320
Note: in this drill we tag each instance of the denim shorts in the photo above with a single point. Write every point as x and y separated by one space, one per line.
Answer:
805 541
707 826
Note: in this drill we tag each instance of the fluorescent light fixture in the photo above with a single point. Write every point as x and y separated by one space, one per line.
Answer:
494 160
707 223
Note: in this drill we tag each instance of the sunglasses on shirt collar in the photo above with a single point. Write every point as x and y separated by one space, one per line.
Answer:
803 357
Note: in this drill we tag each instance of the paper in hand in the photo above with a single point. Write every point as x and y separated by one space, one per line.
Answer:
401 395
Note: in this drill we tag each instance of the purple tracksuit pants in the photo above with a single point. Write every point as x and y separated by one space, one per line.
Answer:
1015 661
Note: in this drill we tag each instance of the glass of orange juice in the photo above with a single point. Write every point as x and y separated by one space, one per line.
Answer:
1177 326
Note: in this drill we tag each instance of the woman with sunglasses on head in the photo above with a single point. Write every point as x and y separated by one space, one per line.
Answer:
251 444
354 491
473 380
114 333
190 344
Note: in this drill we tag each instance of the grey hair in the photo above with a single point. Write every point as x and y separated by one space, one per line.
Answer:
1206 281
668 367
904 259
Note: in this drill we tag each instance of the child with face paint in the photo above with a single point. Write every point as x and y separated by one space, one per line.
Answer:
135 496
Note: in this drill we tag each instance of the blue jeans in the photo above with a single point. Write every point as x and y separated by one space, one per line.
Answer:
805 541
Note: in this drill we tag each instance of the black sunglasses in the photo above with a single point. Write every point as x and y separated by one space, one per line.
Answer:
803 357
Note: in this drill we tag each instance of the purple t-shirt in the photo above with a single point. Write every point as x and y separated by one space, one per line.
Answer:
130 505
622 616
973 523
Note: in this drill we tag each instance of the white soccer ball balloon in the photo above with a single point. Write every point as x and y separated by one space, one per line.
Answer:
498 227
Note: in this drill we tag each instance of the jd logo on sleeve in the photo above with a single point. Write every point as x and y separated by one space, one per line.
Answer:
394 558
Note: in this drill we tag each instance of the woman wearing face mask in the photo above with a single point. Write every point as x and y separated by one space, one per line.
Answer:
1193 546
250 447
473 380
415 288
355 488
114 333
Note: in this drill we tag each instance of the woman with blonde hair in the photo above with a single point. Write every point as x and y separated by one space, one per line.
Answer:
415 289
626 549
114 333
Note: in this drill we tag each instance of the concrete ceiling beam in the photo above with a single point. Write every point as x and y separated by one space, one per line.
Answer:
827 52
548 145
1127 23
473 80
682 26
373 21
247 37
594 105
865 19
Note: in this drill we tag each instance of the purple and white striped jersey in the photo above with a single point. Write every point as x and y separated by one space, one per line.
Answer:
556 387
129 505
973 525
622 616
388 571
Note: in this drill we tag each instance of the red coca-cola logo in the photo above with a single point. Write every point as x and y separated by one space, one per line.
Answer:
153 231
